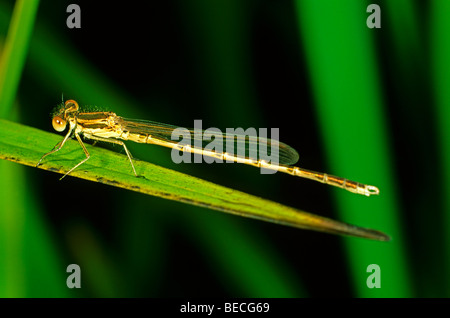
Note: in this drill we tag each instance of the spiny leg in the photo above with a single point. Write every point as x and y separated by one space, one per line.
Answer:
117 142
82 161
57 147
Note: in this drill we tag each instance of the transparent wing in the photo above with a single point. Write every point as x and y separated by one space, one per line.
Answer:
240 143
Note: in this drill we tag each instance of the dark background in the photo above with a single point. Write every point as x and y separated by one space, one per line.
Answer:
239 64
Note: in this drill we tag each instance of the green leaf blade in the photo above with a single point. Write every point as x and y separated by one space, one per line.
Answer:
26 145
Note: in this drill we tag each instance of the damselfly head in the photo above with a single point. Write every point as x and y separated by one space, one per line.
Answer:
61 113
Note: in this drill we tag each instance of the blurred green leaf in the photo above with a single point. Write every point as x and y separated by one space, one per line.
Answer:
440 48
347 94
15 52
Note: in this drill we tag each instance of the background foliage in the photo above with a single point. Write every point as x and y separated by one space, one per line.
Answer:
368 104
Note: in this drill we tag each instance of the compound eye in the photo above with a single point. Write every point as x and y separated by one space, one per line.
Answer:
59 124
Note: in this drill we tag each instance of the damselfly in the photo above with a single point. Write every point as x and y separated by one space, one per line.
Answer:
110 128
